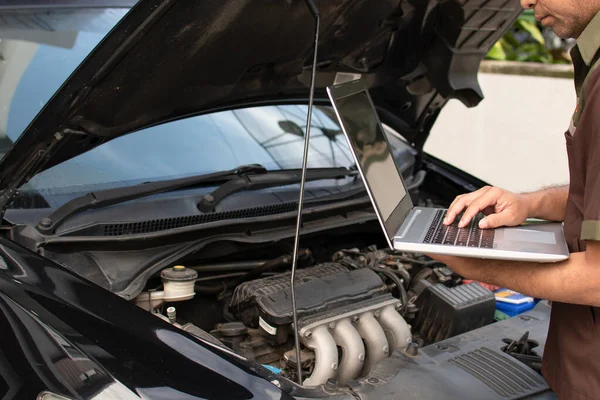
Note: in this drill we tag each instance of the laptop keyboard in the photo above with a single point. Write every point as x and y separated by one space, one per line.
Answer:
470 235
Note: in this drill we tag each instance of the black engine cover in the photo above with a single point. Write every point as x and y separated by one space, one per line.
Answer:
317 289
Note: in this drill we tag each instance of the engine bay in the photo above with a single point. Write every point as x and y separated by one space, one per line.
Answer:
370 320
355 310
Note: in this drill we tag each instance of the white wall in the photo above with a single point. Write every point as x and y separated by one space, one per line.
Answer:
515 137
16 57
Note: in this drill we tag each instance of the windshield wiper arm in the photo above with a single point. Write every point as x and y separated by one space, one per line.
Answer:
245 177
108 197
272 179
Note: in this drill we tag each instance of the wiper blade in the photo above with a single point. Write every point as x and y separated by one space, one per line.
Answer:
109 197
272 179
246 177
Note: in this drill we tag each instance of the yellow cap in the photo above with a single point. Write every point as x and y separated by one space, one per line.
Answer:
178 267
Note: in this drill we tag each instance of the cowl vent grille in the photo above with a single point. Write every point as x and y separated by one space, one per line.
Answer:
506 376
157 225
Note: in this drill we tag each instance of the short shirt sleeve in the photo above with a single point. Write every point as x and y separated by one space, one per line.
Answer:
590 131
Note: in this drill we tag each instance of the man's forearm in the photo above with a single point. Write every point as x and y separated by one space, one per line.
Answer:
549 204
572 281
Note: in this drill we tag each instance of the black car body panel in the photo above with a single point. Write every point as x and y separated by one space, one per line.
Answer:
67 335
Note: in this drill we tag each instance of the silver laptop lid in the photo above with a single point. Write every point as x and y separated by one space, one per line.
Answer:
371 150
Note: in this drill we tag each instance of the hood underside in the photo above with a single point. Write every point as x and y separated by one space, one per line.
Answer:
168 59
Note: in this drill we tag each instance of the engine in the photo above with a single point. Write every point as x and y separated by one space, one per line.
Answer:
352 312
338 308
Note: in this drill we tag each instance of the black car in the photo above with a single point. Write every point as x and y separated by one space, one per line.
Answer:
149 195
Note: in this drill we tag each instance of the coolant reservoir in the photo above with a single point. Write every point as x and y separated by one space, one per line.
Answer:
178 283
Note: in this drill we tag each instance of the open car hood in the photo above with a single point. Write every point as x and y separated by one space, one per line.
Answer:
167 59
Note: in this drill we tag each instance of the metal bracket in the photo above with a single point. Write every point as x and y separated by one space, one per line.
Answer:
11 191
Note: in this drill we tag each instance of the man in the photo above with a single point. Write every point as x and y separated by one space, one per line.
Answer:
571 362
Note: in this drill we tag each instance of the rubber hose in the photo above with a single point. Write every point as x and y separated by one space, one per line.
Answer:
399 285
280 261
200 289
254 273
404 273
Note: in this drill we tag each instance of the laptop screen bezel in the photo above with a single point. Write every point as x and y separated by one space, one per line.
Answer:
392 224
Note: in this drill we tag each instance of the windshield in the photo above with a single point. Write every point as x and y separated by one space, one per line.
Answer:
203 144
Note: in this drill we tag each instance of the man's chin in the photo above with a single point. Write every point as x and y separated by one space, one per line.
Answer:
564 35
563 32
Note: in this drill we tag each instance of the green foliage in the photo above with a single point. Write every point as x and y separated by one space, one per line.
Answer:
525 42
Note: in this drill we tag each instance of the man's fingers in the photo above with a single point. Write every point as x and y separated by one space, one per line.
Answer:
462 201
489 222
455 208
453 211
487 200
503 218
456 200
495 220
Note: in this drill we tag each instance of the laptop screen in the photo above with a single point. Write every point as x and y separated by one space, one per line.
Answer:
369 145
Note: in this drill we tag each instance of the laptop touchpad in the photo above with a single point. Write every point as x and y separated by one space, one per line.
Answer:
528 235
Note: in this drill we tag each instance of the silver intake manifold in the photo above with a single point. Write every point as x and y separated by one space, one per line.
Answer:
366 335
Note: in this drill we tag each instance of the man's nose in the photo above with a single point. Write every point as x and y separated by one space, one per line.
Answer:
527 4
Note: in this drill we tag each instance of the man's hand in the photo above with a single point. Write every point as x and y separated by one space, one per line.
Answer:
502 208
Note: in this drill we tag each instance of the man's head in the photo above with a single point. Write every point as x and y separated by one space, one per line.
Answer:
567 18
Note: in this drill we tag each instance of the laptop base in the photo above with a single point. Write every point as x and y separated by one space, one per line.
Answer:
540 242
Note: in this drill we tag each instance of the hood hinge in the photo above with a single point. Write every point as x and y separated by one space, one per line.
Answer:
27 172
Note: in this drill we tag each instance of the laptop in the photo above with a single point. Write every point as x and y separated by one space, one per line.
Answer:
420 229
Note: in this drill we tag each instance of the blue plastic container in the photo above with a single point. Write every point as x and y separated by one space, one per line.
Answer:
514 309
272 369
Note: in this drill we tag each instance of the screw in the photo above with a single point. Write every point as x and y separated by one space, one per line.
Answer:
386 349
398 306
276 383
355 319
372 380
334 366
58 136
45 222
441 346
377 314
361 357
331 384
332 325
308 334
412 349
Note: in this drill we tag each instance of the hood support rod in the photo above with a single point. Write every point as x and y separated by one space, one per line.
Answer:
315 12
